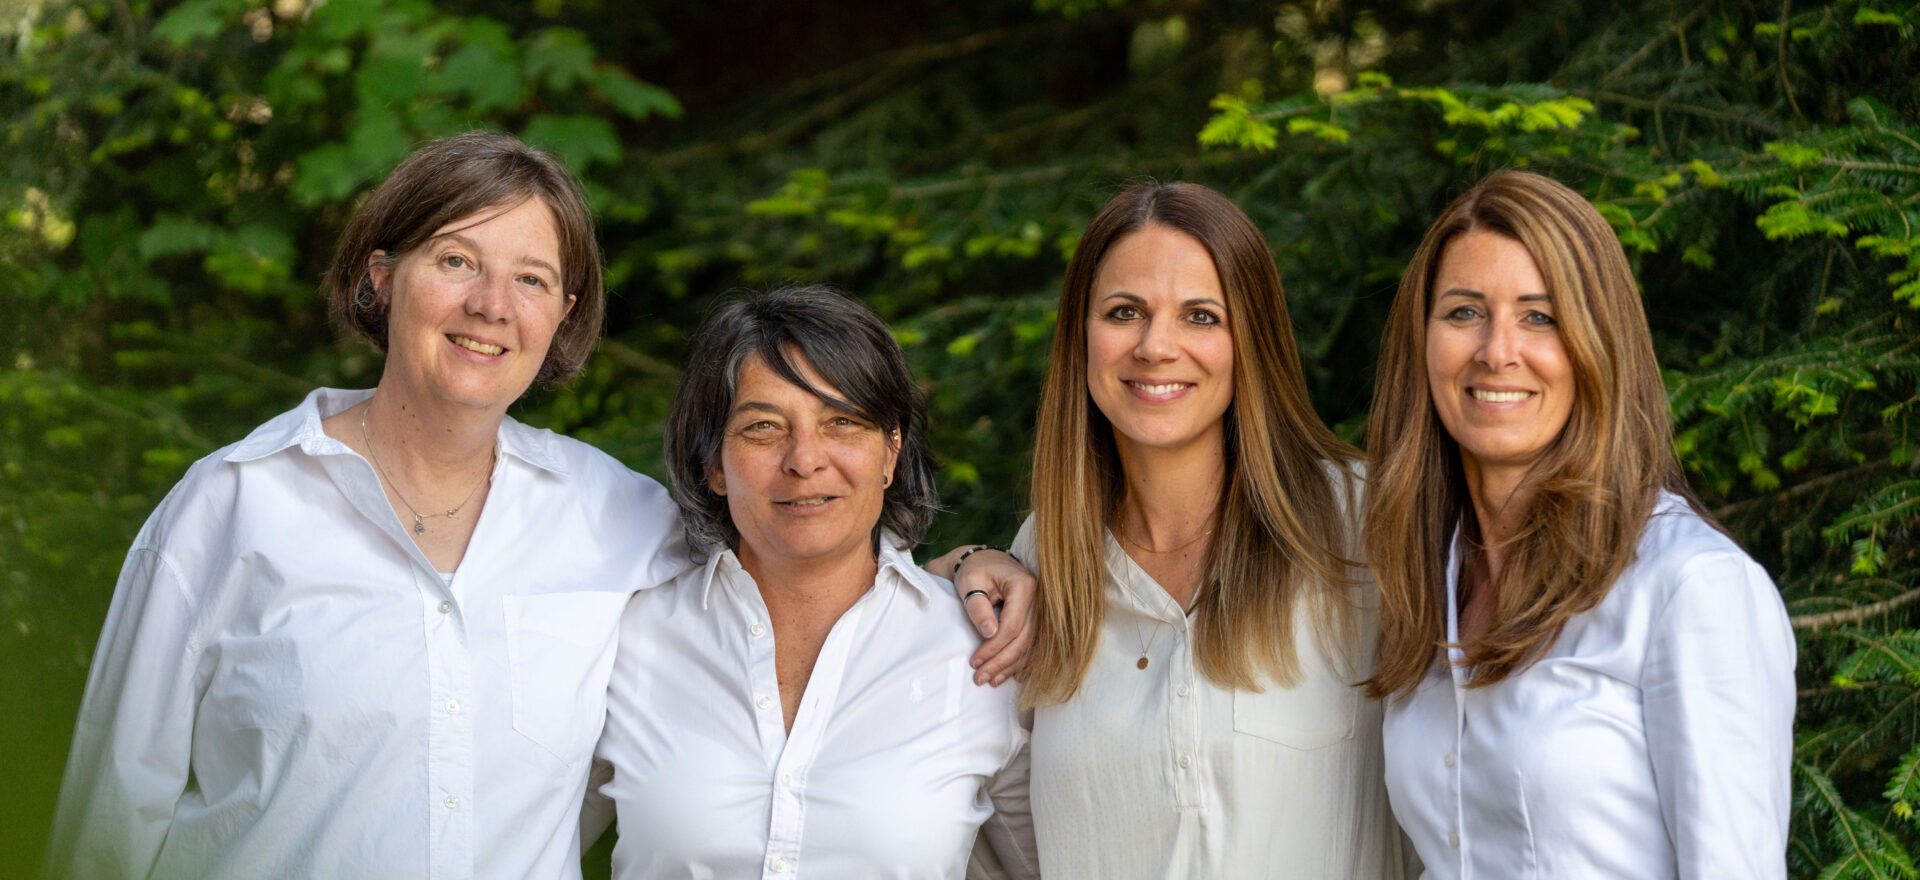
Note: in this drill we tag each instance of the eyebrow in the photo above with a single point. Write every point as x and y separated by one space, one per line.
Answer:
527 261
757 406
1195 301
1475 294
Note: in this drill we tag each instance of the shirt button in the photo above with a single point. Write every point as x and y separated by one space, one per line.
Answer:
1183 690
779 866
1450 761
453 803
446 607
786 780
453 707
757 630
763 702
1453 840
1186 760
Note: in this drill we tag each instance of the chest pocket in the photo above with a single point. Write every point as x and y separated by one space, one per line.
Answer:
1313 714
560 649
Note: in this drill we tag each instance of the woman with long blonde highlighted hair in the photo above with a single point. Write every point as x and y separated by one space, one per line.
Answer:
1202 624
1584 675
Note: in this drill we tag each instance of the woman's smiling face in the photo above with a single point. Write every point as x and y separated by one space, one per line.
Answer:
1496 365
472 311
804 481
1159 354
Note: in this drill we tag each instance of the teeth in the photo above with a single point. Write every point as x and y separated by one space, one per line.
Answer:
472 345
1168 388
807 502
1501 396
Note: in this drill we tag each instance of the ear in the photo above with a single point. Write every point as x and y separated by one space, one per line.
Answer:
893 455
380 274
717 480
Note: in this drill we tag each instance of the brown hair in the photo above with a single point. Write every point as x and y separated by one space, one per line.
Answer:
1282 534
458 177
1594 486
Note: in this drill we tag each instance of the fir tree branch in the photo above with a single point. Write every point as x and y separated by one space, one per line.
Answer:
1853 615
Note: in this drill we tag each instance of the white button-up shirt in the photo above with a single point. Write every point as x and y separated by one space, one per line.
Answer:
895 762
1160 773
1652 740
285 687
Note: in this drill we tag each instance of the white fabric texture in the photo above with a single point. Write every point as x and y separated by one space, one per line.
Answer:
286 688
1652 740
895 762
1160 773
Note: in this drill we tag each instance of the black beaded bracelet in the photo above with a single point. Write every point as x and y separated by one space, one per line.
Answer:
970 551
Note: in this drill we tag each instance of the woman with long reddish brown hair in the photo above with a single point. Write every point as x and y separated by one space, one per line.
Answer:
1584 675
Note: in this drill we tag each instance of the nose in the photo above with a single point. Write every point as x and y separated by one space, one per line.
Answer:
1499 346
491 297
1155 344
806 452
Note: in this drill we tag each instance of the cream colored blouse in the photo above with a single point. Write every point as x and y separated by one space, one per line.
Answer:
1159 773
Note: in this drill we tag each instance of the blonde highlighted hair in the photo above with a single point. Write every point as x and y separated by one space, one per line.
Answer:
1282 542
1592 489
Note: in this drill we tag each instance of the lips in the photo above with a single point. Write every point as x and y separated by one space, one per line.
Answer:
1486 396
476 346
808 503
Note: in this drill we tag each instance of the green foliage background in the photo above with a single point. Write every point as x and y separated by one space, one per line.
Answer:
174 176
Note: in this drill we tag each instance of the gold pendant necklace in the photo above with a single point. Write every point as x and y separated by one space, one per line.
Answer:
1160 620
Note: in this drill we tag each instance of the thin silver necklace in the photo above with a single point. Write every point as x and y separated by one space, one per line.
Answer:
419 519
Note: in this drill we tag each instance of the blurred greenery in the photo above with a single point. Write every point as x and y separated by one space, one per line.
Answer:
175 174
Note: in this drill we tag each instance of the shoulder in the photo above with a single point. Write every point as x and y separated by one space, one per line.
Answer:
1684 565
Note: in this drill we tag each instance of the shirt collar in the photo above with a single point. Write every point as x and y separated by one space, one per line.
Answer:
301 427
895 563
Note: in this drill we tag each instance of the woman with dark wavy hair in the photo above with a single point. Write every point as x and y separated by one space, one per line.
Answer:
1585 676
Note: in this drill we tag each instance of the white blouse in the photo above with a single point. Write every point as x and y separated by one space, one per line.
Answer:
895 762
1652 740
285 687
1160 773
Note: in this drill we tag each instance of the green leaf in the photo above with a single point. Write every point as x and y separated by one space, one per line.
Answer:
577 140
560 57
633 98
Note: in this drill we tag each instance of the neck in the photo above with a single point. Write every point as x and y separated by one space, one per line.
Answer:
430 442
1172 495
829 584
1501 497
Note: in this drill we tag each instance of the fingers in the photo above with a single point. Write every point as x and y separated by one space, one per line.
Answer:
1005 654
980 610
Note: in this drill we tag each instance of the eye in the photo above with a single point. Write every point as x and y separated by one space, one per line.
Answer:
1123 313
1462 313
534 281
455 261
1204 318
1539 319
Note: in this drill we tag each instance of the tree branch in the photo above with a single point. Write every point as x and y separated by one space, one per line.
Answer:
1853 615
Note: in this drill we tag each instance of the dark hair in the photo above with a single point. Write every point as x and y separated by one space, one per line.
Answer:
458 177
850 349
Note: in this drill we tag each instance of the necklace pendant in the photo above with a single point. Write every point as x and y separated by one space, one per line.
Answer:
419 528
1142 664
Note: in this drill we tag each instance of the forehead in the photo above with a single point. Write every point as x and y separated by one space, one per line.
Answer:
757 381
1488 263
1157 258
528 220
